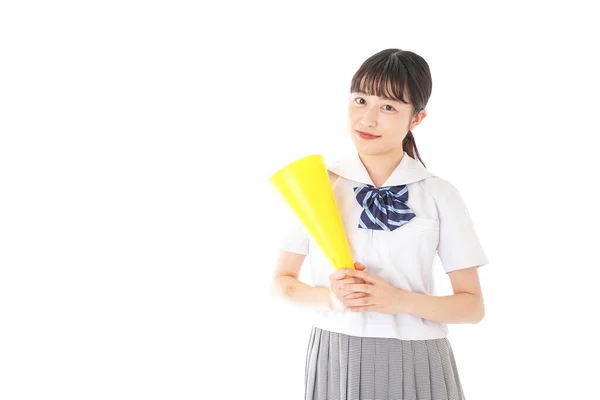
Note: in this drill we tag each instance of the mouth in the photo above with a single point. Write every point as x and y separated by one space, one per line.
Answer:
366 135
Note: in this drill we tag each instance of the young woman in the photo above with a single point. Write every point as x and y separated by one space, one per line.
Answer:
381 333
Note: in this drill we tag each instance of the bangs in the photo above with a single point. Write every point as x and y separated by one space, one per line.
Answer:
385 79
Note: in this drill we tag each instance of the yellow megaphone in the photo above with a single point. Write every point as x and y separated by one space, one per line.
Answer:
306 188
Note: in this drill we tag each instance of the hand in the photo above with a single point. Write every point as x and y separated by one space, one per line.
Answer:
336 282
381 296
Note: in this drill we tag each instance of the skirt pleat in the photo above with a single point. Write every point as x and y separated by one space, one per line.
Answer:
344 367
382 370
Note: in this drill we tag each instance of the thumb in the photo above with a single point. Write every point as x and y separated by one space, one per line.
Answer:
359 266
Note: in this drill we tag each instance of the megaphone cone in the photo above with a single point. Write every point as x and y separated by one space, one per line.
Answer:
305 186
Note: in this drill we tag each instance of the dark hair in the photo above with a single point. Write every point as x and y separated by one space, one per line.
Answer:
392 73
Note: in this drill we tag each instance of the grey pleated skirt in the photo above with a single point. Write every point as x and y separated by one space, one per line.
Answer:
344 367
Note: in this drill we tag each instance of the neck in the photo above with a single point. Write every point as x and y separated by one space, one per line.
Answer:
381 166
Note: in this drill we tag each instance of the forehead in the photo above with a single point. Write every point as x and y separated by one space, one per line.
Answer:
380 90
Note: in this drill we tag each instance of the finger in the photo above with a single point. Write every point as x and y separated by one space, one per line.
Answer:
355 295
351 280
367 277
341 273
338 285
370 308
347 294
358 287
361 302
359 266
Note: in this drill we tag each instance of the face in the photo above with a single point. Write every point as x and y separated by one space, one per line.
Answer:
389 120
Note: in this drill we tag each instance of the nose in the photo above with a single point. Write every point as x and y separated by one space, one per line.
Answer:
369 117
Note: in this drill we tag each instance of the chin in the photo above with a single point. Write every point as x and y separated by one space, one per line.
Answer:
369 151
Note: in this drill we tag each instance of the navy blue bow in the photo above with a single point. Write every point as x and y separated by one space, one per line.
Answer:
384 208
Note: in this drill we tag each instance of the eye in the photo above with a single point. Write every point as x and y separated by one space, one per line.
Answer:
357 99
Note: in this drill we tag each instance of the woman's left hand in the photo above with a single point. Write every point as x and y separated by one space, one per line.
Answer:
381 296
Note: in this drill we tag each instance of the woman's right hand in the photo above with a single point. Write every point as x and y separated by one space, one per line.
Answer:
336 281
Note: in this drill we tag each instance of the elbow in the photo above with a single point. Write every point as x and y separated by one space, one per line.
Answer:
274 289
479 312
281 287
479 315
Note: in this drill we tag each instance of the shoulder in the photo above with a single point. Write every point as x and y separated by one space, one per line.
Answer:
438 187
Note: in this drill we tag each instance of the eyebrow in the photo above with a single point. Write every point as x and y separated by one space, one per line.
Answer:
381 98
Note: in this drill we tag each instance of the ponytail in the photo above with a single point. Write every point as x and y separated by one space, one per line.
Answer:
409 146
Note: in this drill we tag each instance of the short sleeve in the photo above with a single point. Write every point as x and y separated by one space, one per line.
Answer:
459 246
291 235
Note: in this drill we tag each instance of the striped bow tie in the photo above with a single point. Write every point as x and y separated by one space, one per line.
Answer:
384 208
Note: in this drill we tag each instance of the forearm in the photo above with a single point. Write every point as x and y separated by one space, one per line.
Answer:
299 293
460 308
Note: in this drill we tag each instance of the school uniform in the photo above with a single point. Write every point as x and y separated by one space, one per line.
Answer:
377 356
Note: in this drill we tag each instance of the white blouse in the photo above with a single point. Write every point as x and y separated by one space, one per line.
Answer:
402 257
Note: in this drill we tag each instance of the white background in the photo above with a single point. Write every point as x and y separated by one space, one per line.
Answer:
136 141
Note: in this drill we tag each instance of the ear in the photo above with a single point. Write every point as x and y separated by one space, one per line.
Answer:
417 119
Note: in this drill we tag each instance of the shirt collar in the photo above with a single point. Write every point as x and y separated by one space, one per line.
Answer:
408 171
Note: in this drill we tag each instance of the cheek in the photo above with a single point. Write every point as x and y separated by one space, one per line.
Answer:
395 140
351 127
351 116
354 113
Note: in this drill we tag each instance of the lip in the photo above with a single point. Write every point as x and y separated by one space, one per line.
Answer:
367 136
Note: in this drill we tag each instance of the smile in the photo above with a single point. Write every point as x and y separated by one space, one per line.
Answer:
367 136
